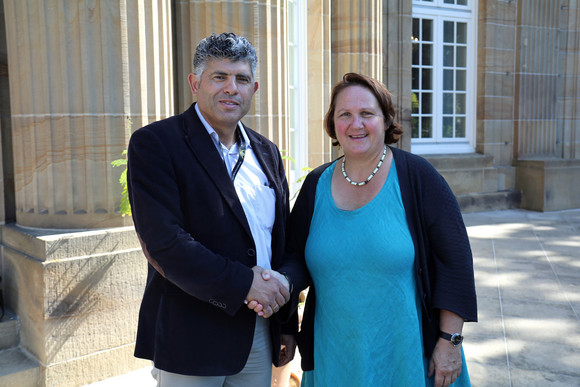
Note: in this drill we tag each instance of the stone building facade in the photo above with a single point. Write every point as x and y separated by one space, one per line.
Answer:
488 91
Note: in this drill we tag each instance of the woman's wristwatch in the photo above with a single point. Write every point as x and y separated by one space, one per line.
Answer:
455 339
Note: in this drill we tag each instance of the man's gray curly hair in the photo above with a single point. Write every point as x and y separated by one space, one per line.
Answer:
226 45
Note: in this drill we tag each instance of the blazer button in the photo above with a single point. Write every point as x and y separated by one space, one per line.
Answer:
251 252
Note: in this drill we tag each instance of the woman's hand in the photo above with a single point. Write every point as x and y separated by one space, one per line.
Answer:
445 363
287 350
266 310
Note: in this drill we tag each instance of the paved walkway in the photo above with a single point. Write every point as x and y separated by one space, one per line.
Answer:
527 272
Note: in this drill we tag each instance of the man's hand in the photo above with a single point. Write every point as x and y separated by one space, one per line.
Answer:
269 292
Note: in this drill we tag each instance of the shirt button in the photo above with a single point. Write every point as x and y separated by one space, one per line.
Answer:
251 252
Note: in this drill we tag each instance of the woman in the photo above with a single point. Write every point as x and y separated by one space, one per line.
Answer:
388 255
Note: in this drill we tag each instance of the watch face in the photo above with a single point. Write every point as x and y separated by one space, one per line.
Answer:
456 339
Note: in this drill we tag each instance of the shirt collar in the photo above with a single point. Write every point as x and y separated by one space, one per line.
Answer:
213 134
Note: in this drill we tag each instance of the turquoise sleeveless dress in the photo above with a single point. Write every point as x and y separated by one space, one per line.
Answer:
367 329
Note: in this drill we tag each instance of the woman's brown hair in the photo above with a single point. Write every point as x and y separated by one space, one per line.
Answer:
393 130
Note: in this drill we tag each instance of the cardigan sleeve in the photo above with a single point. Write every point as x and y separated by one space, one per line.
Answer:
442 244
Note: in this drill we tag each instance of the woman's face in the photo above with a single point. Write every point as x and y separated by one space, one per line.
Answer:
359 122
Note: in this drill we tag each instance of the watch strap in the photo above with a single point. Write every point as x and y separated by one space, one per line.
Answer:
455 339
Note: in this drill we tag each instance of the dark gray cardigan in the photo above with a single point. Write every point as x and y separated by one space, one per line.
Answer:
443 260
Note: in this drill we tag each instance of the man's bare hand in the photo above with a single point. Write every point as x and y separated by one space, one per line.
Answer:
269 292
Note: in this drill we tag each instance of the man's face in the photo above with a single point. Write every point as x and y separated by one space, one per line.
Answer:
224 92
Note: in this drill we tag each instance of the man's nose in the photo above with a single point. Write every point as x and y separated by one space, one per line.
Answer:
231 86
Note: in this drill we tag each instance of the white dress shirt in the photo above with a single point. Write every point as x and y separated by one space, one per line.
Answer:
253 189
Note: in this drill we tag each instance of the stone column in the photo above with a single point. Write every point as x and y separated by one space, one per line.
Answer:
568 106
81 75
547 90
319 80
6 176
495 86
396 50
263 23
357 38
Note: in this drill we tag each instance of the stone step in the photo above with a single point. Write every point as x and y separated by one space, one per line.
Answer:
467 173
477 202
17 369
460 161
9 330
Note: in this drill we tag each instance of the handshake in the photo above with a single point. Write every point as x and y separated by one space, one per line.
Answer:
269 292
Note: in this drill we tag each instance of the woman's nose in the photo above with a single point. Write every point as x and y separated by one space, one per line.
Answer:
357 121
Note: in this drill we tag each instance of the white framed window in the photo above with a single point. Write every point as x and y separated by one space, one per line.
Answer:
298 92
443 76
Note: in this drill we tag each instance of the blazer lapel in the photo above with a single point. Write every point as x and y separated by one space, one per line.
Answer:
203 148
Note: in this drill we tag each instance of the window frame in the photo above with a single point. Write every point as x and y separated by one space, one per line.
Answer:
297 94
439 12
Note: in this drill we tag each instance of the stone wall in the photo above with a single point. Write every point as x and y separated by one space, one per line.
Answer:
77 295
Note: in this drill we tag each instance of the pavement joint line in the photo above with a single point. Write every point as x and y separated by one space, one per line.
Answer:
507 355
556 275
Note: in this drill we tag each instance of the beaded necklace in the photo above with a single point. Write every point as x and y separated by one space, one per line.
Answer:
360 184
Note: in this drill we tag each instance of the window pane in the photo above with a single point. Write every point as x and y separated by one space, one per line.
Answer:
461 80
447 103
448 127
459 127
414 103
416 24
448 33
292 97
415 54
292 16
447 79
461 57
427 81
415 81
460 103
415 127
461 2
427 30
427 55
449 1
448 56
291 59
427 103
462 33
426 127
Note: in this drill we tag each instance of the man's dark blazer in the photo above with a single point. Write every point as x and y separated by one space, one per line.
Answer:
197 240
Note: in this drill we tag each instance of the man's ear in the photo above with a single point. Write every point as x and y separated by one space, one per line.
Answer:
255 86
193 83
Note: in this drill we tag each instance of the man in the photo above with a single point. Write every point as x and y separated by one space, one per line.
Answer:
209 200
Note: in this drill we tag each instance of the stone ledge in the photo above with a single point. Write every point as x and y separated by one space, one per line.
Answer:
477 202
9 329
52 244
548 184
460 161
17 369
